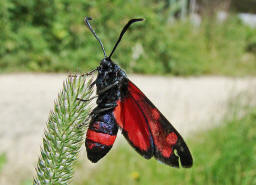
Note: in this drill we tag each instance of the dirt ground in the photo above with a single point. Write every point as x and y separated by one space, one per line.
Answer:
191 104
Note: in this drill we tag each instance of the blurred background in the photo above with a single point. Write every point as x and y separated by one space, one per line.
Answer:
195 59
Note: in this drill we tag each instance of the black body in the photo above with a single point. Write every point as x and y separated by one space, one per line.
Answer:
108 74
111 84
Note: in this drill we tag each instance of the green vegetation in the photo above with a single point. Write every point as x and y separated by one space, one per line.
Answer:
3 161
49 36
27 182
224 155
64 135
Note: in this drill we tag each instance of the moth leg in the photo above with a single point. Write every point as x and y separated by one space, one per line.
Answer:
84 74
108 87
103 110
87 99
108 106
93 83
84 123
100 92
113 105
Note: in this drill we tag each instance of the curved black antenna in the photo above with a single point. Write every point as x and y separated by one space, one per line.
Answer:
86 20
122 33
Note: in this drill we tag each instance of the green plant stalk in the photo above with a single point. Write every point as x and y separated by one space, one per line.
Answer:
64 136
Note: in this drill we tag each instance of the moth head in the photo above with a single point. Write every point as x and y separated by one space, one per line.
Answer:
106 63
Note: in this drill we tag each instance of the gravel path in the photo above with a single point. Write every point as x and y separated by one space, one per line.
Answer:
26 99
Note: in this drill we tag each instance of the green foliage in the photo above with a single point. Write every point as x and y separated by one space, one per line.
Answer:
224 155
27 182
3 160
64 135
45 35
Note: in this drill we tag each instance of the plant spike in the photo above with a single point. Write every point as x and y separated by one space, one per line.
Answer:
63 136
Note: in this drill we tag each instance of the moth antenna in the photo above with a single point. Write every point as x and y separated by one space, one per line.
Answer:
123 32
86 20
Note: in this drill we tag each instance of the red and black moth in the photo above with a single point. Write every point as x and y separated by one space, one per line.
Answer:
122 105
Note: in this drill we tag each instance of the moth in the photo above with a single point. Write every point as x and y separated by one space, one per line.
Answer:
121 105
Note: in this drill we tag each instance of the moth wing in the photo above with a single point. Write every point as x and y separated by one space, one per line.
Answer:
130 118
166 139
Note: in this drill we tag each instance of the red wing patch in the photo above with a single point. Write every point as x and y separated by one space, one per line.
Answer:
135 127
165 138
